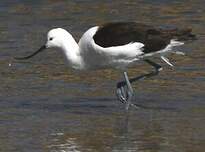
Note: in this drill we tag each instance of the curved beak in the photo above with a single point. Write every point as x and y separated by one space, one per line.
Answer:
31 55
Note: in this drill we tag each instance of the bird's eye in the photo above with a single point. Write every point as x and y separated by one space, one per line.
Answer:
50 39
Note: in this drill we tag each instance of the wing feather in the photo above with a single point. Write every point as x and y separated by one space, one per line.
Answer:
130 50
122 33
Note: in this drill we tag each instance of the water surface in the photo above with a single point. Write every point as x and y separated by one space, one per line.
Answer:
44 106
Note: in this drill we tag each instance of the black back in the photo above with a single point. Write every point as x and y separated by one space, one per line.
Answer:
121 33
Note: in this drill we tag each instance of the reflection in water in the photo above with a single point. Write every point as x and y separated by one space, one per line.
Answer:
135 140
70 144
47 107
121 135
120 140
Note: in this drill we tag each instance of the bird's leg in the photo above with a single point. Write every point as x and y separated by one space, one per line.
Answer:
155 65
125 91
120 92
129 90
123 87
148 75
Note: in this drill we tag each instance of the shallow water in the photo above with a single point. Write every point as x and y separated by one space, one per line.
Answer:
44 106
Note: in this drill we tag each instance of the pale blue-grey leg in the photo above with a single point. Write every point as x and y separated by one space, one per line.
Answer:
129 90
121 93
124 90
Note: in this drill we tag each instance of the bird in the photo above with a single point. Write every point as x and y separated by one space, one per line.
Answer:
117 45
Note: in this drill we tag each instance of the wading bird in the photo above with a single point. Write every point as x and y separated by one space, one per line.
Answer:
117 45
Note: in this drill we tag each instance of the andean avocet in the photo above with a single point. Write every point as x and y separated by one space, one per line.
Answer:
117 45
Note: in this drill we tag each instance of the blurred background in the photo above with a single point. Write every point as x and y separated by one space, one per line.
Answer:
46 107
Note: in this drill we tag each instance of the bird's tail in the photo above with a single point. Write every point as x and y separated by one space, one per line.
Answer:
184 34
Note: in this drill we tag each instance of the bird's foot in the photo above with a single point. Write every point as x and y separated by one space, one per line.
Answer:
121 94
125 96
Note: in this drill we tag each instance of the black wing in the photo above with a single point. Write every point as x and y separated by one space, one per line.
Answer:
121 33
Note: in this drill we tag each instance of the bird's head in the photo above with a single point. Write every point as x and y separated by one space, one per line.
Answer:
56 38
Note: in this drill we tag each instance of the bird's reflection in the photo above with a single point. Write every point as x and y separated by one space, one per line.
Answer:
135 133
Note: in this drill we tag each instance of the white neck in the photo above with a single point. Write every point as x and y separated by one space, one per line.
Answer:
72 52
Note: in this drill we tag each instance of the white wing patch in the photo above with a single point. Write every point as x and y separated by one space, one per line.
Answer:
130 50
